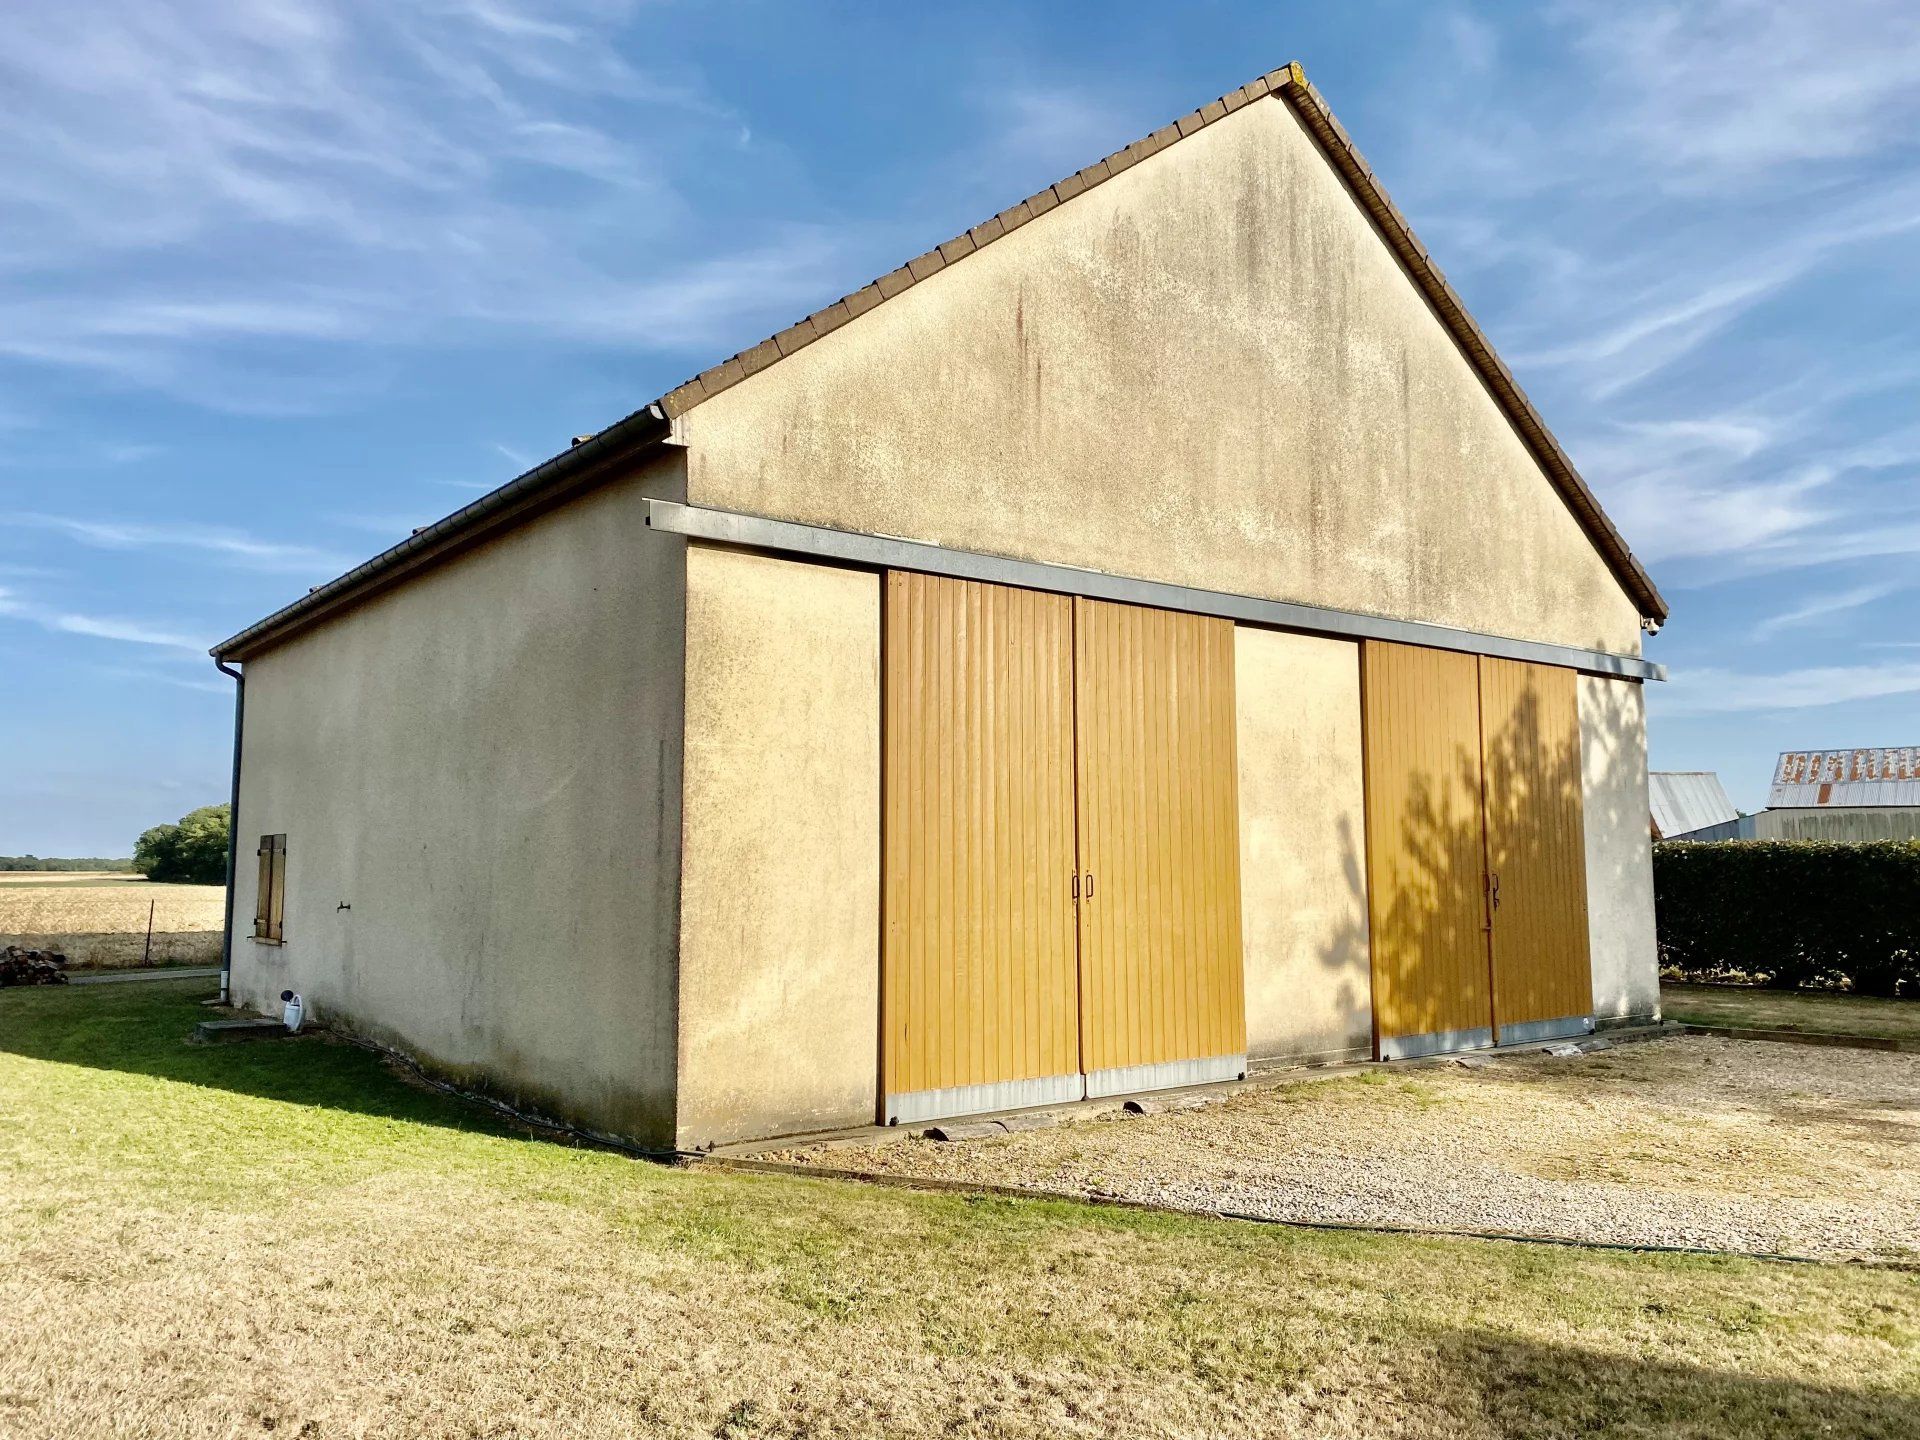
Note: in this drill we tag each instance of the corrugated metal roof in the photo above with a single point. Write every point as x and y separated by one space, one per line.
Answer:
1884 776
1683 801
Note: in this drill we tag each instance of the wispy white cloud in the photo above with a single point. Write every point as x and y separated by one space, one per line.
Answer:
1683 487
1670 218
1823 607
393 528
1682 299
212 685
1049 127
1727 92
232 193
230 546
1709 690
14 606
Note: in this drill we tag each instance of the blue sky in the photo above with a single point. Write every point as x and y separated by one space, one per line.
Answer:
282 279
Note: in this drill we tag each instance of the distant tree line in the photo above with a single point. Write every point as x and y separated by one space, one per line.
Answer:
193 852
48 863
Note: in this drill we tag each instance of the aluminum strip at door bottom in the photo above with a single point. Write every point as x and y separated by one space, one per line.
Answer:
1127 1079
1532 1031
1438 1042
916 1105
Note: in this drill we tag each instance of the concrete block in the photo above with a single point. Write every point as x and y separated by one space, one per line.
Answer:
225 1032
965 1130
1037 1120
1167 1104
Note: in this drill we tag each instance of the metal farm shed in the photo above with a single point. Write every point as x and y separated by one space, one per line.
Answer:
1864 794
1147 636
1690 805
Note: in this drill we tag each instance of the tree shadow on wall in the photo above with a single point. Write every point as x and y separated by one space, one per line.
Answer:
1430 922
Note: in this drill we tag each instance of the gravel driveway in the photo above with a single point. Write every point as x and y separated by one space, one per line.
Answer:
1722 1144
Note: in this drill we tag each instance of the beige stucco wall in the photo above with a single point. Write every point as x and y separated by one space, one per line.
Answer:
1613 776
1208 370
485 765
780 931
1303 893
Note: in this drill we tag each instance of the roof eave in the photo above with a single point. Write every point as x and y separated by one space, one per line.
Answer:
592 462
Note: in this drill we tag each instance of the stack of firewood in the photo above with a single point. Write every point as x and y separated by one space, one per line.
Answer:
20 966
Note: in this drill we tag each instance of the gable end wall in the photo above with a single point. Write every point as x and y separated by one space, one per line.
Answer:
1209 370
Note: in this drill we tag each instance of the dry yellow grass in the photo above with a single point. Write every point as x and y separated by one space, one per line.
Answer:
69 877
101 920
218 1241
1751 1008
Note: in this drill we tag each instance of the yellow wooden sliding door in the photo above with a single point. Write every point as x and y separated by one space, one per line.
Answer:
1476 850
1425 849
1536 849
1062 861
979 1005
1162 1000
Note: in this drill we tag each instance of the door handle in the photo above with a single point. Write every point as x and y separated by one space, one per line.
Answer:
1089 885
1496 891
1076 885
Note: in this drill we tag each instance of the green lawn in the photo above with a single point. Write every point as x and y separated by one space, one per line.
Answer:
283 1238
1756 1009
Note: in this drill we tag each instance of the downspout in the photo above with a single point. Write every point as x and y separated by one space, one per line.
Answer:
233 826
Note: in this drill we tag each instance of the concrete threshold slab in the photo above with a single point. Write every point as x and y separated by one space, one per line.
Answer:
1153 1102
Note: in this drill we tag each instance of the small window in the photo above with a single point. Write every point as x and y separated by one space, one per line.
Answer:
270 900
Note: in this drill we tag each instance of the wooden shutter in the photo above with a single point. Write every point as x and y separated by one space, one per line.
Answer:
1536 849
1162 997
1425 849
277 915
979 993
270 893
263 889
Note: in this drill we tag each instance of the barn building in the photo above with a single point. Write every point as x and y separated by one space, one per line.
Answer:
1846 795
1691 805
1146 637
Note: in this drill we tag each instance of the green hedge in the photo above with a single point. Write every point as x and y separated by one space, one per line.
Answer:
1792 912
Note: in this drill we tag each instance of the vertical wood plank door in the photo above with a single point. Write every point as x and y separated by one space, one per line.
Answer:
1162 999
1536 850
1425 850
979 1005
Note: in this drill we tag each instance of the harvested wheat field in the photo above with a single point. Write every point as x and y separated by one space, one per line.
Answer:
281 1238
1717 1144
101 919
